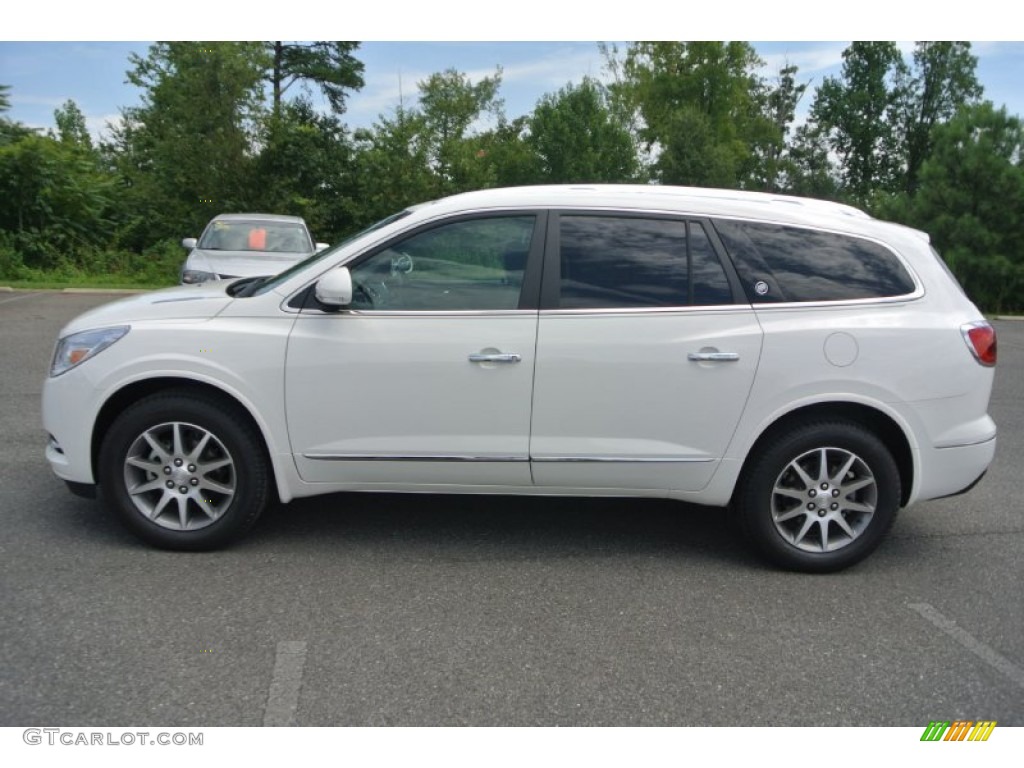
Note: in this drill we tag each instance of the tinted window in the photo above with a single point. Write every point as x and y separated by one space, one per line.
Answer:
710 285
474 264
779 263
619 262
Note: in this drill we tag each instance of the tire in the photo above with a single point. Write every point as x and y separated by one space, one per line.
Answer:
820 497
184 471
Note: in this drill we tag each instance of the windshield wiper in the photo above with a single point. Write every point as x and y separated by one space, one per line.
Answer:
240 289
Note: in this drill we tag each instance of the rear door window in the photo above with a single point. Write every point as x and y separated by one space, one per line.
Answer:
612 262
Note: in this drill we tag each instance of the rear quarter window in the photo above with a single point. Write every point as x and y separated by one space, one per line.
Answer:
778 263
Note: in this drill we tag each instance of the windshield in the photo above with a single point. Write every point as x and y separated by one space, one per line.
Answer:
269 283
256 235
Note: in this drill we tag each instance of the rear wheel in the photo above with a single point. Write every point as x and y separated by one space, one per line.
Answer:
820 497
184 471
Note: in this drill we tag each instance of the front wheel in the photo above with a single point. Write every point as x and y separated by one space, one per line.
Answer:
820 497
184 471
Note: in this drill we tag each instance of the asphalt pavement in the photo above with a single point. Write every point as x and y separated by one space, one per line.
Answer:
356 609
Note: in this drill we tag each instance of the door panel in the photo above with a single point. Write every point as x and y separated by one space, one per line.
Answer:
618 404
366 391
427 377
618 401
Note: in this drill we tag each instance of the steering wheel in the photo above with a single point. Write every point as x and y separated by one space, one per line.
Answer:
401 264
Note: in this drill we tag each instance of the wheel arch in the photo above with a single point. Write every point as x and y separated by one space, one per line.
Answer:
137 390
877 421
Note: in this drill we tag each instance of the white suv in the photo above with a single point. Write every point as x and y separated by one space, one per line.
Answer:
806 366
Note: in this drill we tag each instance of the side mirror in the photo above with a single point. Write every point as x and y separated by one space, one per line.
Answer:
322 247
335 288
188 242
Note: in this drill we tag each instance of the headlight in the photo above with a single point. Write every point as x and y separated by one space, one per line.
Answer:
79 347
189 276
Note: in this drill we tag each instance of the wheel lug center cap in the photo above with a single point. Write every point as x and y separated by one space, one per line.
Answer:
821 513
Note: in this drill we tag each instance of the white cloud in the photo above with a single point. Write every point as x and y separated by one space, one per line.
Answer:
808 59
99 126
383 92
17 99
556 70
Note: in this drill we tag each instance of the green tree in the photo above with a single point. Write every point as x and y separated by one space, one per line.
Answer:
577 139
971 200
698 108
57 201
504 149
431 151
10 130
774 166
450 103
305 169
941 79
810 171
71 127
188 151
329 65
392 167
857 114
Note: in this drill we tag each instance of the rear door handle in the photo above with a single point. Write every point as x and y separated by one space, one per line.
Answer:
495 357
713 357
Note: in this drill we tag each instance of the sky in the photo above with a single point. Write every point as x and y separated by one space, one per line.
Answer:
67 52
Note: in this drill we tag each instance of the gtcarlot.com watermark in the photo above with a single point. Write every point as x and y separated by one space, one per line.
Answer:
73 738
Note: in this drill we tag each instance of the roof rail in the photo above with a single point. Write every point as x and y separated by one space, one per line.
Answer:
825 207
742 195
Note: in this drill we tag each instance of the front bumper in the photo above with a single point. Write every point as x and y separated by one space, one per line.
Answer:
68 416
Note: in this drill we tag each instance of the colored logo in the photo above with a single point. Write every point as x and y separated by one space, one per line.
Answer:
958 730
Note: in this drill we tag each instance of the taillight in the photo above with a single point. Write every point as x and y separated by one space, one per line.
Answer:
981 340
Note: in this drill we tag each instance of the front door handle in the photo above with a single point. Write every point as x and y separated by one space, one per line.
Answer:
713 357
495 357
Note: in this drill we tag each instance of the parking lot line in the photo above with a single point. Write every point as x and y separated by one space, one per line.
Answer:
971 643
283 699
19 298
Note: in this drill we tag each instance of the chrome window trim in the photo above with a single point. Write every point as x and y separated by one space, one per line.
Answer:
716 308
838 303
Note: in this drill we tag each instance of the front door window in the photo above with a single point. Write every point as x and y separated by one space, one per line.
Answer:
474 264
